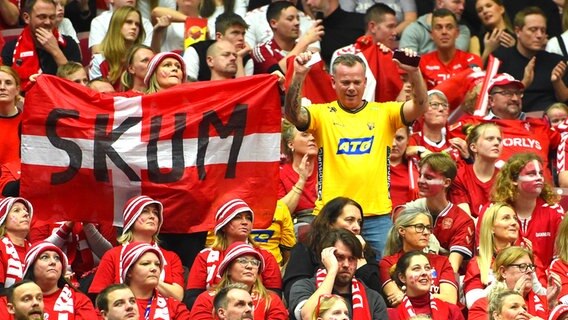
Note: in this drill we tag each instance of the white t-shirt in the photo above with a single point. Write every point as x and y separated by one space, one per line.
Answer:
259 30
144 6
99 28
173 39
66 28
553 46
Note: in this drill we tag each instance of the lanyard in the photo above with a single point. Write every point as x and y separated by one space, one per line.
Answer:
148 308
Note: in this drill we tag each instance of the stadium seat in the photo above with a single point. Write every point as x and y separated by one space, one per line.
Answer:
84 45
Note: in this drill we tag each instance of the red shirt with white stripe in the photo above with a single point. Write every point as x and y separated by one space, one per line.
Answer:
560 267
467 188
418 139
434 71
403 186
266 57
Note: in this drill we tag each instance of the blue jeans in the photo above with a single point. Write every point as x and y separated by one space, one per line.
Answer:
375 230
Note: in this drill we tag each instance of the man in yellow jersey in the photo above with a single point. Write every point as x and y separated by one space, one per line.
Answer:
355 138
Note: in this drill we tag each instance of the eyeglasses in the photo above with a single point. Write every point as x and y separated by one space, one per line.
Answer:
524 267
437 105
324 298
245 262
510 93
420 227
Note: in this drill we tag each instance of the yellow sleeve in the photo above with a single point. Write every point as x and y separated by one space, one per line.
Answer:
288 238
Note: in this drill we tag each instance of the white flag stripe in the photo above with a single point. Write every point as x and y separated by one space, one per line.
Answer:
260 147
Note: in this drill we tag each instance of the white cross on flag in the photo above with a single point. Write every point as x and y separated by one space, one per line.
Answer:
192 147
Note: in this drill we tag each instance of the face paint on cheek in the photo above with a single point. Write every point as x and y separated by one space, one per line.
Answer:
532 183
163 73
430 187
413 279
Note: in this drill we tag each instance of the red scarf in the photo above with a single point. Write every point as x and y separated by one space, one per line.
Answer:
537 307
359 302
25 59
156 310
438 308
13 263
63 307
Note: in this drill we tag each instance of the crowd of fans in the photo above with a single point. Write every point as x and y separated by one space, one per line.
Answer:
429 188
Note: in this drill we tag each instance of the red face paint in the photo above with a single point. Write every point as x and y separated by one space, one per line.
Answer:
430 183
531 178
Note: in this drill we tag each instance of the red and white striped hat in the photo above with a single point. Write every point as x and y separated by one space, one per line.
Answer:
133 209
132 252
239 249
7 203
157 59
37 249
228 211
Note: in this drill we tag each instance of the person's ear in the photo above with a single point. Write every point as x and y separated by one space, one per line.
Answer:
26 17
11 308
221 313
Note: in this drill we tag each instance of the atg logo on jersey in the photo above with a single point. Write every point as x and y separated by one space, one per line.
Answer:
355 146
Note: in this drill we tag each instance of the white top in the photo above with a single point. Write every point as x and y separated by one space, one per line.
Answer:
259 30
95 66
144 6
240 9
99 28
554 47
174 37
66 28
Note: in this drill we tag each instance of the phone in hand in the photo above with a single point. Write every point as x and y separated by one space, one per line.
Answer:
404 59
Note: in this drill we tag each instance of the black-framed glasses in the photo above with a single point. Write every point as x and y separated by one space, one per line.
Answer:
420 227
510 93
438 105
245 262
524 267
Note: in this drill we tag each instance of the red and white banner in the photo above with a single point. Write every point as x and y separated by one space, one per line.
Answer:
191 147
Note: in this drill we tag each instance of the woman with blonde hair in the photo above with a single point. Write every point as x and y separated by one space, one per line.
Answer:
471 188
559 265
15 221
521 184
125 30
500 230
136 67
142 219
10 115
233 223
515 269
165 70
331 307
242 264
411 231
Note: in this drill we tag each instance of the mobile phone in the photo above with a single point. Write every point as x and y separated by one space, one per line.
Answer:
404 59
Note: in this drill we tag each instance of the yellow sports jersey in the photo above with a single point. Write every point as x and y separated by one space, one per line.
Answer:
354 151
280 234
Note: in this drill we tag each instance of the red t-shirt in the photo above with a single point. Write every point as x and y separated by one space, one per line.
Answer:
9 131
519 136
266 57
163 309
467 188
442 271
454 229
203 307
537 307
435 71
289 177
56 306
403 185
108 271
204 270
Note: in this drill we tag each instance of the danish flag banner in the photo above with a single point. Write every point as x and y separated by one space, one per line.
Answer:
192 147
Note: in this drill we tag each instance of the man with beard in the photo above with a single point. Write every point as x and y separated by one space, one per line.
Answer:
222 60
233 302
117 302
340 256
25 301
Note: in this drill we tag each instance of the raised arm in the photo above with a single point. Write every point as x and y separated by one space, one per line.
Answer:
416 107
292 104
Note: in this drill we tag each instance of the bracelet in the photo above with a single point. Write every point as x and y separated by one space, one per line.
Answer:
297 189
